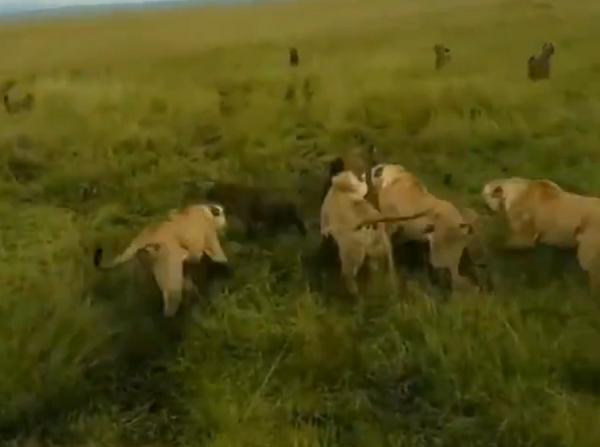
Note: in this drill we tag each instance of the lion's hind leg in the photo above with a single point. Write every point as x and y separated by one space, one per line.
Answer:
168 272
352 257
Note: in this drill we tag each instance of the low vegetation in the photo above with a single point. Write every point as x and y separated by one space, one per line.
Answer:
134 113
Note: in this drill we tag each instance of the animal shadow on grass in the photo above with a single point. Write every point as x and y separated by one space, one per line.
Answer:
581 375
322 271
137 380
412 262
402 401
536 268
131 374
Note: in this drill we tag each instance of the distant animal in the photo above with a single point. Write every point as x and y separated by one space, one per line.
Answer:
186 236
539 67
257 206
539 211
399 191
15 106
294 58
442 56
357 227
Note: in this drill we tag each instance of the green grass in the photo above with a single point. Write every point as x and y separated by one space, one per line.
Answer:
128 110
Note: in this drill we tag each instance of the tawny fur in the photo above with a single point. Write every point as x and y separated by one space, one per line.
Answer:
186 235
356 227
444 228
539 210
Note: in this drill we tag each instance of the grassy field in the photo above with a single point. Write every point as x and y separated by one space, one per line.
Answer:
135 111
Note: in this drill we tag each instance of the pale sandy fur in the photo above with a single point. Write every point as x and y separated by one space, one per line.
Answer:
186 234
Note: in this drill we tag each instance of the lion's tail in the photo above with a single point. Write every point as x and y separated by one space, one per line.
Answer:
126 256
392 219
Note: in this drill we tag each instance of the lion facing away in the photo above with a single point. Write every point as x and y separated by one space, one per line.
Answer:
186 235
357 227
539 211
400 192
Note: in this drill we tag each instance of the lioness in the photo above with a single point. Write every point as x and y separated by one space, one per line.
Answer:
539 211
186 235
356 226
399 192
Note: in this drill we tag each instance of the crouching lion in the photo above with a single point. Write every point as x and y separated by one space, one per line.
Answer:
400 191
539 211
357 227
186 235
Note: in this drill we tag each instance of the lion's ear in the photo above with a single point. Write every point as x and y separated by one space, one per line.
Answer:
497 191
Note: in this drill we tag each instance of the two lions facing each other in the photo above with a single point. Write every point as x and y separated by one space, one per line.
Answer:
356 225
186 235
540 211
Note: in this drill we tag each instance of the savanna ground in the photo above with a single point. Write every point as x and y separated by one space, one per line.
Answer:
135 111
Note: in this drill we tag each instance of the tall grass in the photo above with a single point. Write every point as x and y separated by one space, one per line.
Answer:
135 111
